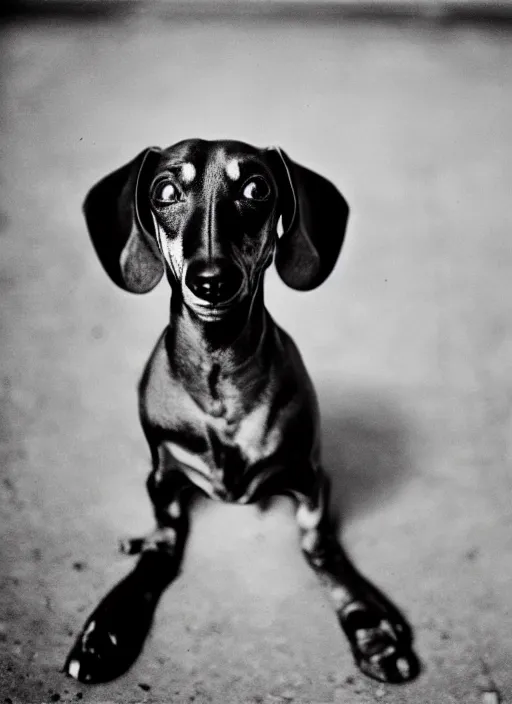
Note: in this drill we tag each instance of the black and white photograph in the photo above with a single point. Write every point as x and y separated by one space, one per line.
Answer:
256 352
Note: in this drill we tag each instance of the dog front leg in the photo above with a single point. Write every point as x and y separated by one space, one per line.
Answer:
168 489
379 636
114 634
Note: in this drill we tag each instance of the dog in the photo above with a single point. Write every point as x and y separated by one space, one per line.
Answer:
226 404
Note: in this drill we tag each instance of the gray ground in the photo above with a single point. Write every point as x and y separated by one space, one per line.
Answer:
409 344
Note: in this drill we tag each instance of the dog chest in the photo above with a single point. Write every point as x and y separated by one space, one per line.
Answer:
222 467
228 432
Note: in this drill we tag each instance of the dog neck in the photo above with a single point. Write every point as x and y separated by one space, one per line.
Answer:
220 362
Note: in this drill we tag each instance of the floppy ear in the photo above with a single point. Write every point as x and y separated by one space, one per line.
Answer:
314 217
119 221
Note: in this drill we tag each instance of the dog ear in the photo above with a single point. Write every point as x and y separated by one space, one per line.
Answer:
119 221
314 215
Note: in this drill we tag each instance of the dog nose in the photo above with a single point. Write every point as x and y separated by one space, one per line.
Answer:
216 281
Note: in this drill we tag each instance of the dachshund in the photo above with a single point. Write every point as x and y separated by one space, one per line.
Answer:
225 401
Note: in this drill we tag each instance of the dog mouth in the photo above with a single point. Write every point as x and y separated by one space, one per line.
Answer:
210 311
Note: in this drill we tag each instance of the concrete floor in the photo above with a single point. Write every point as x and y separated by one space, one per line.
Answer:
409 343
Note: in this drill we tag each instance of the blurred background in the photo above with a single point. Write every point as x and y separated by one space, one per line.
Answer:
407 107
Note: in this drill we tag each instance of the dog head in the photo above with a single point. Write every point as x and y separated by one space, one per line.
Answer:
208 214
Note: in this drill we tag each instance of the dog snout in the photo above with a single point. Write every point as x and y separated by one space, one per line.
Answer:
214 281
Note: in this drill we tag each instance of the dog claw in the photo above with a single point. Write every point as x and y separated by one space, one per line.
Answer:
73 669
403 668
161 540
131 546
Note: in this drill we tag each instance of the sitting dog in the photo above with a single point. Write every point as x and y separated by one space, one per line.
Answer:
225 401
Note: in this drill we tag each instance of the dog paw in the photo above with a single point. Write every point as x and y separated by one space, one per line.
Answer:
113 636
98 655
104 651
381 646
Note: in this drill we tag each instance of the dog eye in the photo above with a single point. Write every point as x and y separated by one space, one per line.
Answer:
256 189
166 192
